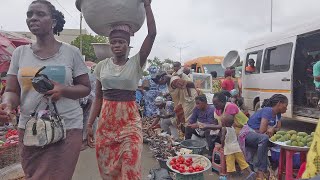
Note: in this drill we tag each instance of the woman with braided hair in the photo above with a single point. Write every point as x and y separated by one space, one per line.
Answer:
65 67
254 136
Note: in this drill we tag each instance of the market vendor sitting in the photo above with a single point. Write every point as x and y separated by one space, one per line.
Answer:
254 137
166 116
202 123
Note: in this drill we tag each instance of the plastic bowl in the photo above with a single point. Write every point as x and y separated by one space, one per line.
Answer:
196 146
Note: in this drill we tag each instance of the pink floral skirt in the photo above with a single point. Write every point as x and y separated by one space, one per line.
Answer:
119 141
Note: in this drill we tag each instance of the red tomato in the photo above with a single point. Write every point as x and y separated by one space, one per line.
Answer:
172 163
182 167
174 167
174 159
178 165
190 170
189 159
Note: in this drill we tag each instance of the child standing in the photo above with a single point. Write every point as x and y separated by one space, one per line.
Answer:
232 151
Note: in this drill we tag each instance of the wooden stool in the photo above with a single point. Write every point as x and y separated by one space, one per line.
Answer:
286 162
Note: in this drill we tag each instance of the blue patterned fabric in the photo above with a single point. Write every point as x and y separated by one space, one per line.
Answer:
151 94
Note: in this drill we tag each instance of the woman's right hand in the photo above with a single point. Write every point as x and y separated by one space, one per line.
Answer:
270 132
5 111
90 137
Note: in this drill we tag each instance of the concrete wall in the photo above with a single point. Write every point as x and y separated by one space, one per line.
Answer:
67 35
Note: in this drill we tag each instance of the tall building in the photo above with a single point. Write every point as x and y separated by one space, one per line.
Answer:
67 35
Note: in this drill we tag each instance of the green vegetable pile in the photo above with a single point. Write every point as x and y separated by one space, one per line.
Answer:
293 138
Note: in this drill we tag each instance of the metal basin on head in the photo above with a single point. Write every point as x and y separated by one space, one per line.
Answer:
101 15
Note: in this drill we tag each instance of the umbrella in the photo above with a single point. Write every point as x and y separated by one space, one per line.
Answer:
15 38
5 58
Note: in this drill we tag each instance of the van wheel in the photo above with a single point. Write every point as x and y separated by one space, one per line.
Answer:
257 106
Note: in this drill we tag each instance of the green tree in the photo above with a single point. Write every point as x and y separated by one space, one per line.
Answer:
169 61
87 48
155 62
145 73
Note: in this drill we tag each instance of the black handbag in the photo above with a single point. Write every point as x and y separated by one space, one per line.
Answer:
41 82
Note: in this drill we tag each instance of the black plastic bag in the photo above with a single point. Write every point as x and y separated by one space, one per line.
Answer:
159 174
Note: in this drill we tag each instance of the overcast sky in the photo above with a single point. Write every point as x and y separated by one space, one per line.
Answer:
206 27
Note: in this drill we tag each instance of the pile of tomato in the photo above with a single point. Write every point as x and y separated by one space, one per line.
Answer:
11 132
184 165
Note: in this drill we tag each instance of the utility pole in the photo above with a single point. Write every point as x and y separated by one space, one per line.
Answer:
81 32
271 18
180 49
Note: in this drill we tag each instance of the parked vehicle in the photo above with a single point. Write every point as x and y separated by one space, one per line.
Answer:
283 64
206 65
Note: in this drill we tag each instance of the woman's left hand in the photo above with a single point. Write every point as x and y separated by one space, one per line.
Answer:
56 92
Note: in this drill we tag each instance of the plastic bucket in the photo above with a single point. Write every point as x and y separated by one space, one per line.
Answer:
196 146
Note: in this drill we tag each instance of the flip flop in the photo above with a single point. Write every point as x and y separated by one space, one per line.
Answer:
252 176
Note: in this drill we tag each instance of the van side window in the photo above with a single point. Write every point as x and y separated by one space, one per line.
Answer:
199 70
253 62
277 59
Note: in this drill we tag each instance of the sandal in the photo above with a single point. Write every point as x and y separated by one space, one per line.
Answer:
252 176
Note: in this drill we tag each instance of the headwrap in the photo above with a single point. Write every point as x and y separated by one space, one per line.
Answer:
121 31
228 73
234 92
153 70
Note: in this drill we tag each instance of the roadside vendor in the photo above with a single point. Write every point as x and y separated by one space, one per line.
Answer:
202 122
166 116
223 107
182 91
236 99
254 137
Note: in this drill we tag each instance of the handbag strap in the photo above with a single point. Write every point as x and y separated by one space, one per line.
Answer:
37 107
56 110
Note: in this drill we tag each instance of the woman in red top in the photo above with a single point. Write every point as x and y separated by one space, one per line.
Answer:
228 83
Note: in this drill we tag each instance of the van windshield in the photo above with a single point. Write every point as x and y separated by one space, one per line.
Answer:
214 67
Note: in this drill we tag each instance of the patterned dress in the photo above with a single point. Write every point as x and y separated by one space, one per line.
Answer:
119 133
118 143
150 96
216 86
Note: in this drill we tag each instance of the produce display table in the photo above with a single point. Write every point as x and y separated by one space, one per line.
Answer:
286 159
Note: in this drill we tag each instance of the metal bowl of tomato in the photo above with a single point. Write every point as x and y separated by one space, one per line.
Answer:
189 164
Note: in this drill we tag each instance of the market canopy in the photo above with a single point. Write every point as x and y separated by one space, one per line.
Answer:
8 43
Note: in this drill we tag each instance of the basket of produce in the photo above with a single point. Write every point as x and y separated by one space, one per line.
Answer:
9 149
196 146
293 140
189 164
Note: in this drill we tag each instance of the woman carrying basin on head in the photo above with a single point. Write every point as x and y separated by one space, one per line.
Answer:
119 134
